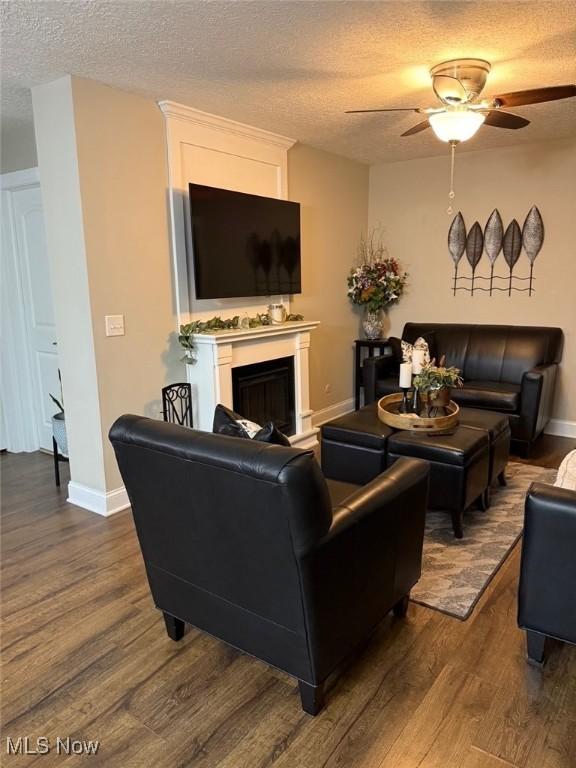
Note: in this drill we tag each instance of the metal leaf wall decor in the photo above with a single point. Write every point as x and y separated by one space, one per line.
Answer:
532 238
457 242
474 248
512 247
493 236
457 238
491 241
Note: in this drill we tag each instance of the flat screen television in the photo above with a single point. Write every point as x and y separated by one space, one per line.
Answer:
243 245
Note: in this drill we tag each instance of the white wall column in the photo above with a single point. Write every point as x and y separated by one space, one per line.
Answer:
60 184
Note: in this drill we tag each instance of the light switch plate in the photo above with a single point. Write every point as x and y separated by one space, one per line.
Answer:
114 325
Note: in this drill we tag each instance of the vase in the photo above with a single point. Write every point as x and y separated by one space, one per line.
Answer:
59 432
438 401
440 398
372 324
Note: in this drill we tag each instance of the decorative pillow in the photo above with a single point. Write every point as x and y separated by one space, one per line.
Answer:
408 349
271 434
566 477
227 422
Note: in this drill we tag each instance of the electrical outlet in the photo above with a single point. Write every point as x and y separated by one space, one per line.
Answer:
114 325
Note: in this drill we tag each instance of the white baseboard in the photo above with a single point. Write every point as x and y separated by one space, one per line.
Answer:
561 428
103 503
332 412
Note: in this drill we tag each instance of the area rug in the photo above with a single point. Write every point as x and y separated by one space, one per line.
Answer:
455 572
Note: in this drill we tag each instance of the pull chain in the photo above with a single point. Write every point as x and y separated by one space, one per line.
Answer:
451 194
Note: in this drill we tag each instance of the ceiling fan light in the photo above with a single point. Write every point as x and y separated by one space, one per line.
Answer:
456 125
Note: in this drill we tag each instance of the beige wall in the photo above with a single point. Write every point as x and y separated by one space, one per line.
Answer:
409 199
123 180
18 147
104 184
333 192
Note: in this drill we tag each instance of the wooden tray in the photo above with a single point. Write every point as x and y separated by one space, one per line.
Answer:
388 413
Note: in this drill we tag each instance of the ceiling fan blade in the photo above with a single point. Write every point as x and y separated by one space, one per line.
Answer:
449 89
417 128
396 109
536 95
500 119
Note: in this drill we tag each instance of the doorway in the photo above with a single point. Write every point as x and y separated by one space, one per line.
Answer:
29 342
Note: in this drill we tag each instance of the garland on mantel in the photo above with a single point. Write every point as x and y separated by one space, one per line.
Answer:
188 330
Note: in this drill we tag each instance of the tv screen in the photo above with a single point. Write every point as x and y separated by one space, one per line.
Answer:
243 245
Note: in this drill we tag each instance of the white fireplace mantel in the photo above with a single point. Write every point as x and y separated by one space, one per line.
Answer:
210 376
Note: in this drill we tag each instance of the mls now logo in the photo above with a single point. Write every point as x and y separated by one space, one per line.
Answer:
24 745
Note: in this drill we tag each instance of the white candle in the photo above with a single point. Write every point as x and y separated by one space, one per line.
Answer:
417 361
405 375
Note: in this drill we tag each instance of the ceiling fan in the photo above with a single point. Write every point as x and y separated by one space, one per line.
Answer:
458 84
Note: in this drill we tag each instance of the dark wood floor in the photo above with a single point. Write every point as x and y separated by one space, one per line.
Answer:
85 655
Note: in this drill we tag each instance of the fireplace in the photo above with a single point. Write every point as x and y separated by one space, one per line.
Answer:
217 355
264 392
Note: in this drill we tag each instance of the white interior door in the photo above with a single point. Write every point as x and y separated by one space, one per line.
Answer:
33 365
42 340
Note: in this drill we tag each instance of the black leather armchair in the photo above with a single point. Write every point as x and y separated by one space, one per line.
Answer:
506 368
240 539
547 593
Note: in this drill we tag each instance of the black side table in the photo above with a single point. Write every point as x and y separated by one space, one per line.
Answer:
370 346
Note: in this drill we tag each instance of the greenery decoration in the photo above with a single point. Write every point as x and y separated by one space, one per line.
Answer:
434 377
187 331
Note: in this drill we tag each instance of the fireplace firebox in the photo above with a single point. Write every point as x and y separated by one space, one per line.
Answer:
264 392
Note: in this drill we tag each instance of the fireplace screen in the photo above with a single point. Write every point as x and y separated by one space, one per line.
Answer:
265 392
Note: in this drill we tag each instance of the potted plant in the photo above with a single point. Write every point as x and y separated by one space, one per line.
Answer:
59 421
436 382
376 283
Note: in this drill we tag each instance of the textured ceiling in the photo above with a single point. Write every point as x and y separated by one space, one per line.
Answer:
294 67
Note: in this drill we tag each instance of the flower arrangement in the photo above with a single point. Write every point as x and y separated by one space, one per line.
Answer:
434 377
378 281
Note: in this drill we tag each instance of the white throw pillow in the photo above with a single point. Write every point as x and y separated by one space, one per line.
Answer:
566 477
249 426
407 350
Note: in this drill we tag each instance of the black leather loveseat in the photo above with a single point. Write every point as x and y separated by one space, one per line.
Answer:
506 368
547 593
240 539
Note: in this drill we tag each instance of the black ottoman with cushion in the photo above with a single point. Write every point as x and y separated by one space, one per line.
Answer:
459 467
354 446
498 428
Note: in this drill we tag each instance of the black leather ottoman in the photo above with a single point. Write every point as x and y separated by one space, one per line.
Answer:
459 467
498 427
354 446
